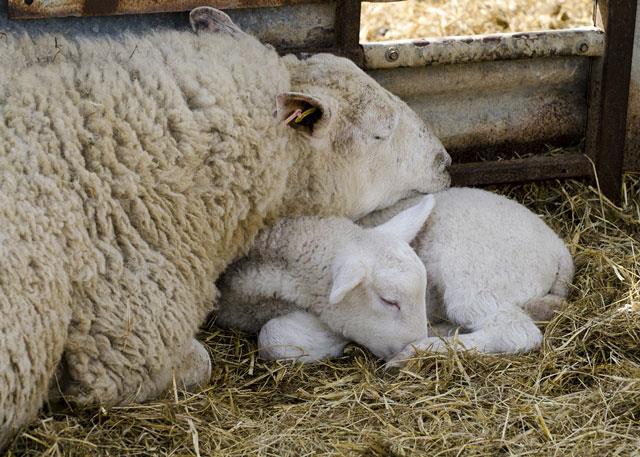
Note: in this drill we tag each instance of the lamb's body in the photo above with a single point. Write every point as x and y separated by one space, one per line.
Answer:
492 267
291 259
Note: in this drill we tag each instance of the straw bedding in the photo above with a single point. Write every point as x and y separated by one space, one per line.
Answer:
579 395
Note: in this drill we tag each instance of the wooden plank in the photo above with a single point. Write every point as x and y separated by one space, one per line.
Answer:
632 146
521 170
348 30
609 94
31 9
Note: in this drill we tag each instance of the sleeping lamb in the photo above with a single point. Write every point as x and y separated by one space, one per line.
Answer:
310 285
134 170
492 268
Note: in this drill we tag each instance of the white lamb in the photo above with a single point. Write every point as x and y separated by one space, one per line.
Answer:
310 285
493 267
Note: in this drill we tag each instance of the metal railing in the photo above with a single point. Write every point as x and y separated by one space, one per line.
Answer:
480 92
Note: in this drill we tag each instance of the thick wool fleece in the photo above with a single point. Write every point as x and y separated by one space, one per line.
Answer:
131 174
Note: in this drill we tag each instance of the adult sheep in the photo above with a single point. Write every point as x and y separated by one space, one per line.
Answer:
132 171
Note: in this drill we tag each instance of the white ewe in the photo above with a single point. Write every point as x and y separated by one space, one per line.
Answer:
134 170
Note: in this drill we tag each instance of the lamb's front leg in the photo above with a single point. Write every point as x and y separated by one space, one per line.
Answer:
510 330
300 336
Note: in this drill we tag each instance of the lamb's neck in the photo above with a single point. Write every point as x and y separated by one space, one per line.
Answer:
305 248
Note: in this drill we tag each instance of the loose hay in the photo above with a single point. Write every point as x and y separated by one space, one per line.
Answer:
580 395
427 18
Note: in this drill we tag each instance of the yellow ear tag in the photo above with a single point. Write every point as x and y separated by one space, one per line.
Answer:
293 116
305 114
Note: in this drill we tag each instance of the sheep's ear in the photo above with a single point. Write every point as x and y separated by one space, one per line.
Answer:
205 18
312 116
407 224
347 275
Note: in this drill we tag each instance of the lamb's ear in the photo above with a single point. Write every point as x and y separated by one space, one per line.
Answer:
407 224
312 116
347 275
205 18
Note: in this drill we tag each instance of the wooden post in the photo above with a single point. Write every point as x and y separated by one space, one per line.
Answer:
348 30
609 94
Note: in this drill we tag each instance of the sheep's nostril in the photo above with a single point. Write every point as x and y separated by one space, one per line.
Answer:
442 160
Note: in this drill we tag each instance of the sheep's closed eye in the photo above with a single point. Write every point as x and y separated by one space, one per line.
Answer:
378 137
392 303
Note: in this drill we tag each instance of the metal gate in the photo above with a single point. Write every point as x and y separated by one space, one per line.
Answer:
496 101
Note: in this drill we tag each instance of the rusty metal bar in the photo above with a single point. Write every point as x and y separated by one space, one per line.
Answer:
31 9
632 146
493 104
609 94
521 170
348 29
584 41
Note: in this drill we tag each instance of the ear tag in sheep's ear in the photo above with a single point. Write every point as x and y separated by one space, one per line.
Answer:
307 114
304 114
293 116
298 115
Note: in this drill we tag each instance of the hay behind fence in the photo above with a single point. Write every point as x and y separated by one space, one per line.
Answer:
428 18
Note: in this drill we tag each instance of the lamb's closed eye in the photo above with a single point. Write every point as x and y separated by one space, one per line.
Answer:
390 302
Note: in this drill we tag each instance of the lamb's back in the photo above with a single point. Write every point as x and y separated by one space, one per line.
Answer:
475 240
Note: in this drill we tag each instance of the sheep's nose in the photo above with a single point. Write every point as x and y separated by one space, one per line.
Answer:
443 159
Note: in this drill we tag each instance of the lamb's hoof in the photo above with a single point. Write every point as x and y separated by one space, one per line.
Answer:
194 368
432 344
398 361
401 358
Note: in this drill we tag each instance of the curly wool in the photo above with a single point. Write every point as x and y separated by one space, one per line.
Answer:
131 173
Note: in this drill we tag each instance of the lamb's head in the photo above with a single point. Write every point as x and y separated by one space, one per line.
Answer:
379 285
375 150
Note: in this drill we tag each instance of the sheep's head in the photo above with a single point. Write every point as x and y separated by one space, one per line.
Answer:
368 149
374 149
379 285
